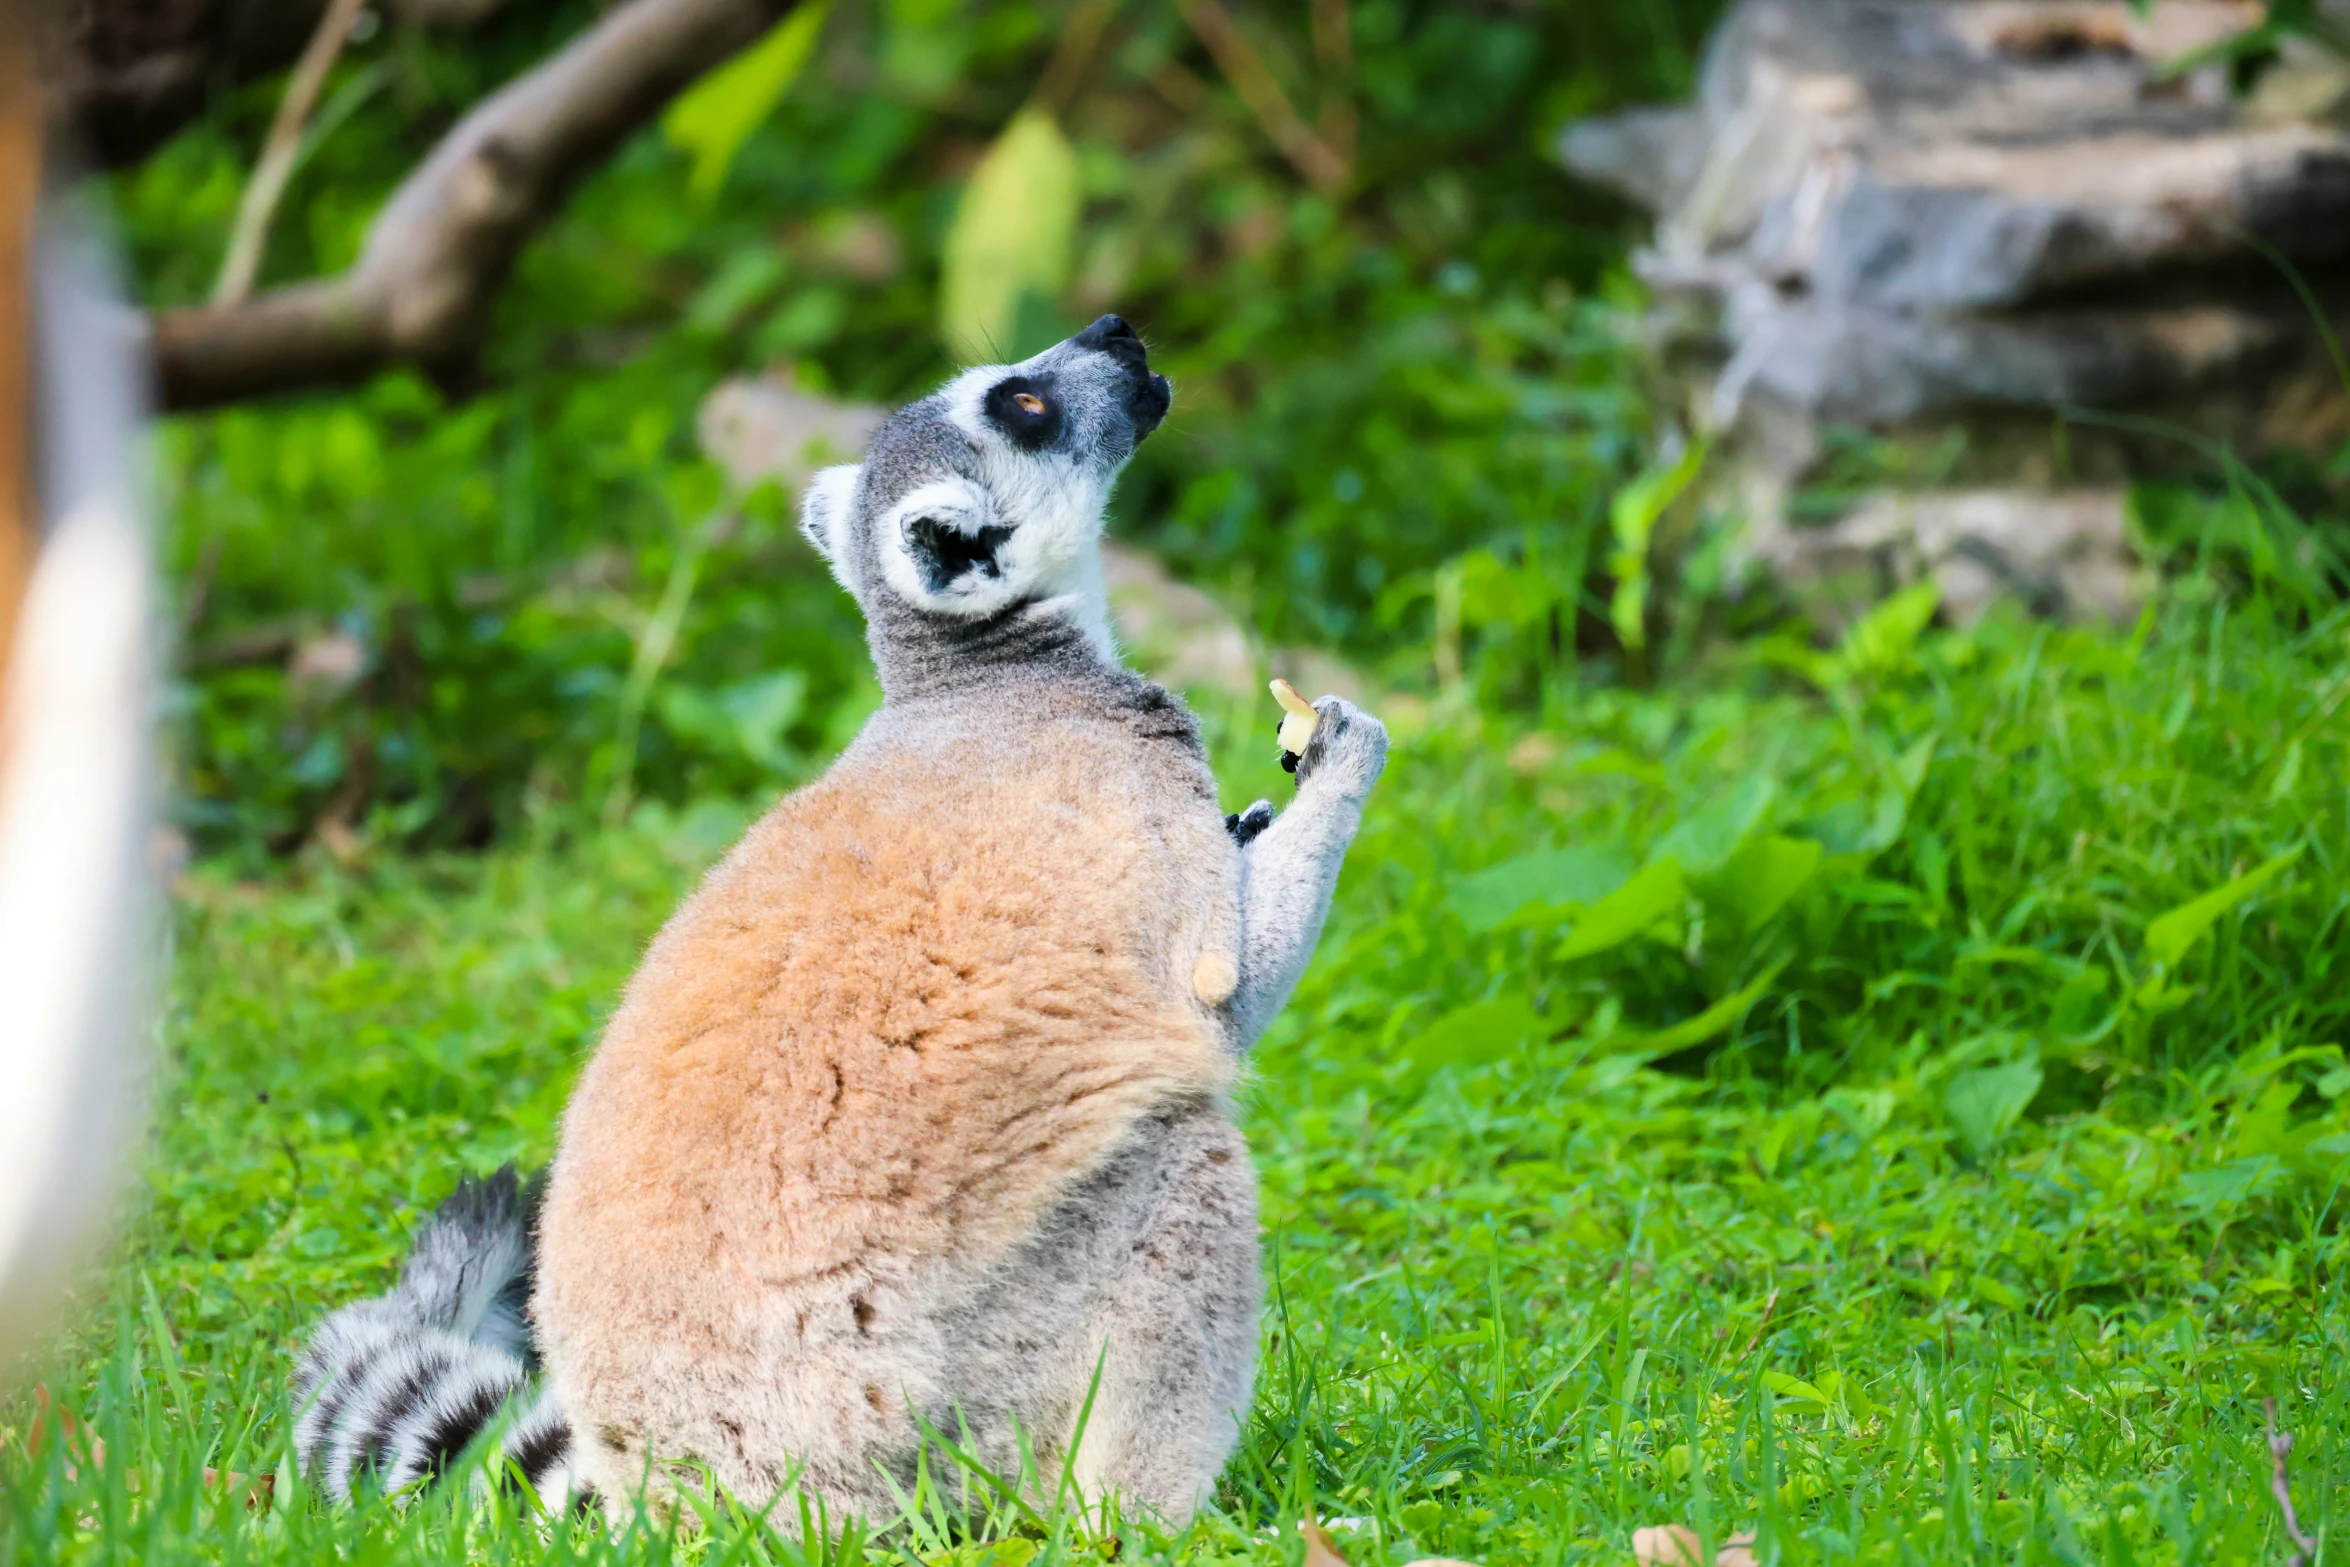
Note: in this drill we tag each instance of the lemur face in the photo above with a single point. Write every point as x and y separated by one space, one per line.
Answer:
989 492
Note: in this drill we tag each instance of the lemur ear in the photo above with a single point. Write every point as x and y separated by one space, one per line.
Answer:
824 508
943 554
943 551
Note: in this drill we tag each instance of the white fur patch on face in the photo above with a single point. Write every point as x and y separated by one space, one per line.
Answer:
1053 503
944 549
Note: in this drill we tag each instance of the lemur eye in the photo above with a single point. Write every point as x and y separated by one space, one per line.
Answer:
1024 410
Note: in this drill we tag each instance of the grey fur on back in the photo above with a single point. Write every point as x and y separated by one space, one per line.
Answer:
391 1390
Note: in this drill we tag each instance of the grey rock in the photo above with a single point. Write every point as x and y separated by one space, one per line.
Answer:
1919 216
2062 553
773 428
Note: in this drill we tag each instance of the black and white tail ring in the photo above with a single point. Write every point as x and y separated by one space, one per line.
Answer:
392 1390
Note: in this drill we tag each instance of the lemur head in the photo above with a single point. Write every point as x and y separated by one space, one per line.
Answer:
987 496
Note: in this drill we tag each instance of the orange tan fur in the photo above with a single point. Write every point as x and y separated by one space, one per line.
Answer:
871 1052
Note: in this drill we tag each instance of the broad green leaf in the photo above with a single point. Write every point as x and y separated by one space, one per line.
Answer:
1984 1103
2288 774
1534 888
1910 767
1708 836
1892 811
1884 638
1615 760
1992 1292
714 117
1795 1389
1481 1032
1761 877
2170 935
2077 1005
1633 516
1855 1397
748 277
1633 909
1011 237
1697 1030
2237 1181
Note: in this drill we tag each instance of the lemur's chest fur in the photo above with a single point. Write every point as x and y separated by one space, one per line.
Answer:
920 1000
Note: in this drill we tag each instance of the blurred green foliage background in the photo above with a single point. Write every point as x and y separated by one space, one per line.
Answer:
1378 376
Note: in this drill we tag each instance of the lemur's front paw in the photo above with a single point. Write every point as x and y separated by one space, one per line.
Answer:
1245 825
1348 750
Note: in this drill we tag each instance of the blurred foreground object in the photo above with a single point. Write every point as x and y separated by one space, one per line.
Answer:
1921 217
75 704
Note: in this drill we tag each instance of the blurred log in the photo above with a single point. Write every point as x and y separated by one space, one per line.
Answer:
448 15
1921 217
129 73
435 258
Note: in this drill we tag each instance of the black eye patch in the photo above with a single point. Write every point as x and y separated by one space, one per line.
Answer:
1025 409
943 552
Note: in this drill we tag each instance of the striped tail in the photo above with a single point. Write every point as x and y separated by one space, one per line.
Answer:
392 1390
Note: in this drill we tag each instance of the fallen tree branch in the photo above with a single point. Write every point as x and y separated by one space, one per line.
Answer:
1253 80
243 262
435 258
1081 39
1334 48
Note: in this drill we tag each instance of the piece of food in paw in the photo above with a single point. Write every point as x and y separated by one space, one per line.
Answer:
1298 720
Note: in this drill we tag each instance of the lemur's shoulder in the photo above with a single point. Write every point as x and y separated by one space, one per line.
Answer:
1118 719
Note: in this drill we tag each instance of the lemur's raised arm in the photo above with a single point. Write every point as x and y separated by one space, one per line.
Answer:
1289 863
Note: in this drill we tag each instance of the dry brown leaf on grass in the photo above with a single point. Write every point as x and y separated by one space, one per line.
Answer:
1675 1545
1320 1552
48 1414
1665 1545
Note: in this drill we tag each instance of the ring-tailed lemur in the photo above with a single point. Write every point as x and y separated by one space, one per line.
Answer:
915 1114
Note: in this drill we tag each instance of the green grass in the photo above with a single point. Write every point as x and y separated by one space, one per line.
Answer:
1975 1227
1892 1099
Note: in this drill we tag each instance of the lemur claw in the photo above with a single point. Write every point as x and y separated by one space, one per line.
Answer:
1349 748
1245 825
